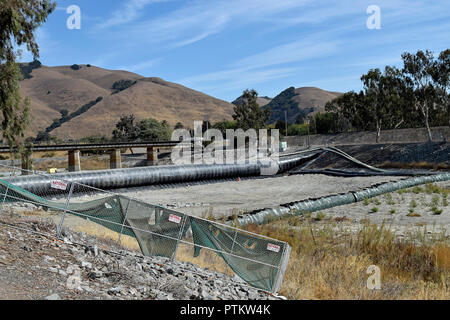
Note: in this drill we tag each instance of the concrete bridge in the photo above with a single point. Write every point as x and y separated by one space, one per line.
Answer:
74 150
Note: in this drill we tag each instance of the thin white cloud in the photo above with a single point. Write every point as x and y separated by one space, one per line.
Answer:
129 12
290 52
142 65
233 79
201 19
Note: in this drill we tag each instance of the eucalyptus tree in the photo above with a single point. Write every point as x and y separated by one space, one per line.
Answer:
350 110
441 77
248 114
19 19
375 90
418 70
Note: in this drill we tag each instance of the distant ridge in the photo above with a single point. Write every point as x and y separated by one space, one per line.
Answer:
262 101
299 102
55 91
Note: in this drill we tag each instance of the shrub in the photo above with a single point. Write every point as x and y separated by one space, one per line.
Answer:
26 69
436 210
297 130
75 67
65 116
122 85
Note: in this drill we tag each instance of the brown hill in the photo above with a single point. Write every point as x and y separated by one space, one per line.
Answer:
299 102
53 89
262 101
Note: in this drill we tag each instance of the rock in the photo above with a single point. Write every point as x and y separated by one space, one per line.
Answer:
115 290
133 291
54 296
86 265
54 270
253 295
87 289
49 259
95 274
204 293
27 249
237 279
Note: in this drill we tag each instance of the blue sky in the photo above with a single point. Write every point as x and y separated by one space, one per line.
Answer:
224 47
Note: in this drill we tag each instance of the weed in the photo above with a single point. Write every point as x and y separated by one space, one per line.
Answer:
412 214
366 201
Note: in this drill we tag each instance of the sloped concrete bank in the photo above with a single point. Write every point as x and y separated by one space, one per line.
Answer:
322 203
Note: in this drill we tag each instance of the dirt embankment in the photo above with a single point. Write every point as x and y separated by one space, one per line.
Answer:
33 266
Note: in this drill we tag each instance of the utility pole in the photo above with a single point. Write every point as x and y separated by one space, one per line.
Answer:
285 123
307 121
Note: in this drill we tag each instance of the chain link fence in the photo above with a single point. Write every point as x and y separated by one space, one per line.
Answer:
153 230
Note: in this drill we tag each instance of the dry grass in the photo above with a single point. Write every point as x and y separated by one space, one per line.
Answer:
92 163
94 229
326 264
207 259
330 262
185 253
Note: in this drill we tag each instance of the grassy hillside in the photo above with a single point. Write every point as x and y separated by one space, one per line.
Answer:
299 102
67 89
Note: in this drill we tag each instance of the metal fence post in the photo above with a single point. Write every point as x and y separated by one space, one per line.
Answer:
282 268
58 231
232 248
124 219
4 198
179 237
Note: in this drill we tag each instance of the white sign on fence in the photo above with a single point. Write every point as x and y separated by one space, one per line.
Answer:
174 218
57 184
273 247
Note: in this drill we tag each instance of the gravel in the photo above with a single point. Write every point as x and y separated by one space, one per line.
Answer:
54 270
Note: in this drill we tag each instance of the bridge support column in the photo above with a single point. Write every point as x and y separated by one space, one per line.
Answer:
74 160
27 165
152 156
115 159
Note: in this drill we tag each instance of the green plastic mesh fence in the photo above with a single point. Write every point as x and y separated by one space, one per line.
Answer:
158 230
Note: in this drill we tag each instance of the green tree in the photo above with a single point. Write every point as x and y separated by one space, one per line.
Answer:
145 130
418 71
324 123
18 21
153 130
382 96
248 114
350 110
224 125
125 129
441 76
